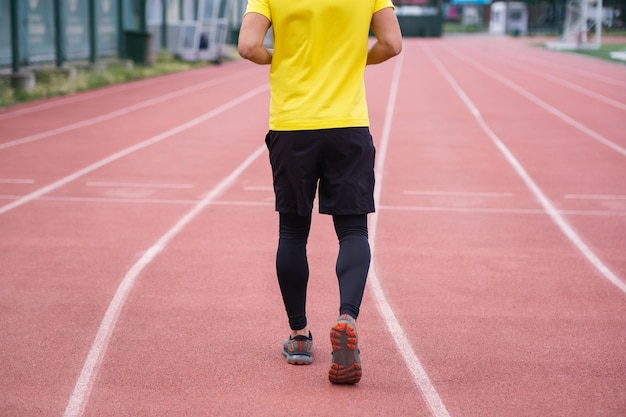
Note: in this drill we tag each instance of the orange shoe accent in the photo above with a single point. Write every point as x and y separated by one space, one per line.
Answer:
298 350
346 366
340 326
340 375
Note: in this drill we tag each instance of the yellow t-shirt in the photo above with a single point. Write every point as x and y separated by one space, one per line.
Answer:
320 51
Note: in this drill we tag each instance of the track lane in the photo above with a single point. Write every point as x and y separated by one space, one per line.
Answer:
499 305
593 73
569 66
573 107
23 109
608 94
95 107
81 155
598 86
601 170
94 113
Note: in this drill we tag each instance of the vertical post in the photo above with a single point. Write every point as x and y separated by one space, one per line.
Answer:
121 36
15 36
93 32
582 29
506 18
59 29
142 15
598 39
164 24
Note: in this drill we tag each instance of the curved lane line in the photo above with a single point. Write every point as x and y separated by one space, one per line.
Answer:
420 377
534 188
118 155
84 383
80 395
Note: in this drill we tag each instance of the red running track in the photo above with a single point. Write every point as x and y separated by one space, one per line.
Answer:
137 242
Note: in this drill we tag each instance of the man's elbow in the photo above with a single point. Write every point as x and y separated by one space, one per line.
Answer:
245 50
398 48
389 50
394 48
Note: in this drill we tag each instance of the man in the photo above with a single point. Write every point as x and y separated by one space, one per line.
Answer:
319 132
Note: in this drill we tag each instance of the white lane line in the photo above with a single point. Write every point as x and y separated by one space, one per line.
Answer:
122 111
458 193
136 185
595 75
545 202
61 101
585 91
598 77
80 395
117 200
542 56
112 200
125 152
595 196
568 67
16 181
420 377
500 210
88 95
520 90
557 80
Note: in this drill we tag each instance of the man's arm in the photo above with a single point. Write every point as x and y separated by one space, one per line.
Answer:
250 46
388 36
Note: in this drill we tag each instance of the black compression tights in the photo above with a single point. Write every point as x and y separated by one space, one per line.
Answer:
292 266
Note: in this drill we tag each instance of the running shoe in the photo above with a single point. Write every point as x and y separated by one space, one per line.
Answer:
298 350
346 366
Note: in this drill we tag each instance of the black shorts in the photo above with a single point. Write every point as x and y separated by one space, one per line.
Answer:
341 159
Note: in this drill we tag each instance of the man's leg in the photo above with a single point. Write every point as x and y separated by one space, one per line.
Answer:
353 261
293 275
292 267
353 264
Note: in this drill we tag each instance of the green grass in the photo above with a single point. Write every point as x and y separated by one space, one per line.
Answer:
457 27
51 81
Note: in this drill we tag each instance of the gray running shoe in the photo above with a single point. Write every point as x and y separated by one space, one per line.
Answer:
346 366
298 350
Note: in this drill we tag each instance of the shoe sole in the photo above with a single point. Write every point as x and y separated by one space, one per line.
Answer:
298 359
346 366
